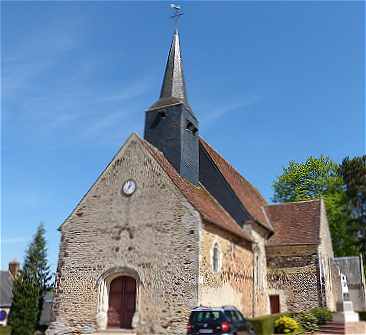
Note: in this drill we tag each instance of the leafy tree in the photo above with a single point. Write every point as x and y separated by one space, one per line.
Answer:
353 172
30 286
313 179
309 180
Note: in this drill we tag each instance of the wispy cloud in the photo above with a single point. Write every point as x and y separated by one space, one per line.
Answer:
240 105
42 91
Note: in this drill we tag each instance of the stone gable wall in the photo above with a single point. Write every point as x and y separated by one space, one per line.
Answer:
233 284
293 271
326 255
153 234
260 275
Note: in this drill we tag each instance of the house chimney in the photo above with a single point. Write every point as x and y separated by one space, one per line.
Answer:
14 268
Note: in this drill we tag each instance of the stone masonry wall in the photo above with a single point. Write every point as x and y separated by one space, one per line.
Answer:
326 256
261 302
153 234
233 283
293 270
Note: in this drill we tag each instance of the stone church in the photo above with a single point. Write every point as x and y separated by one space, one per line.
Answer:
170 225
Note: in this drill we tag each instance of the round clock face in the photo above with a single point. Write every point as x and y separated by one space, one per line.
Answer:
129 187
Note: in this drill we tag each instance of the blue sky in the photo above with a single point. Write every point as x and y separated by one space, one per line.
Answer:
269 81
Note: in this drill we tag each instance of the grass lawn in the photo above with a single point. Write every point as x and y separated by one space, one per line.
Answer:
4 330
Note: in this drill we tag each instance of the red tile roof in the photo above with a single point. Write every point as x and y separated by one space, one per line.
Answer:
295 223
250 198
199 197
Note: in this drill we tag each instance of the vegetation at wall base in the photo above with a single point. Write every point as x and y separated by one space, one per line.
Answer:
5 330
307 321
322 314
286 325
362 315
263 325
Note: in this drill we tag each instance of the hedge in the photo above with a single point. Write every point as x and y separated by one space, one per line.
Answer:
263 325
362 315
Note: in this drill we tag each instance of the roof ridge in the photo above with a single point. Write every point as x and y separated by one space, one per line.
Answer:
292 202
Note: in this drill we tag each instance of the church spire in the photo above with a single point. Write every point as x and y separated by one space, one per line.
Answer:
173 82
170 125
173 89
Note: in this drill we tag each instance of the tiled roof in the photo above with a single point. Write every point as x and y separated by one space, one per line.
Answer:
295 223
250 198
199 197
6 287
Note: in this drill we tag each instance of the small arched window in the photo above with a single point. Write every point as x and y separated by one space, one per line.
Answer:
216 258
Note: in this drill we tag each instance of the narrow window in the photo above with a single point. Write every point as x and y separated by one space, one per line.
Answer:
190 127
216 258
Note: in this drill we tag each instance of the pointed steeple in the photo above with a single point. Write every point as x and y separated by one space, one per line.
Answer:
170 125
173 83
173 89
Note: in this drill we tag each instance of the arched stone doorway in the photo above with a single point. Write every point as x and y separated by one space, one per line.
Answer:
118 298
122 302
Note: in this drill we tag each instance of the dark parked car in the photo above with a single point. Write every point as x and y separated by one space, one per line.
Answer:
218 321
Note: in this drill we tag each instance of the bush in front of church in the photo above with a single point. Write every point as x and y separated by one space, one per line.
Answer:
307 321
322 314
286 325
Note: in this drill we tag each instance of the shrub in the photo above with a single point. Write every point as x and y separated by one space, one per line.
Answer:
307 321
362 315
286 325
263 325
322 314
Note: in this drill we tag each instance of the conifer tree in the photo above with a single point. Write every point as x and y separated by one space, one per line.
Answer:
30 286
353 172
24 310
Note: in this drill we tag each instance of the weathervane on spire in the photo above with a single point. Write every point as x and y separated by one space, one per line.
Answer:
177 14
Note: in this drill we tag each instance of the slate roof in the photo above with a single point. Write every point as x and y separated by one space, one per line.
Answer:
199 197
173 89
351 266
6 287
250 198
295 223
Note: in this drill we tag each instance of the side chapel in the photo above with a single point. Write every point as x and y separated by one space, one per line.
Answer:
170 225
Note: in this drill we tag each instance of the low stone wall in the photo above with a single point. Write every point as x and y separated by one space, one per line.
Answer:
293 271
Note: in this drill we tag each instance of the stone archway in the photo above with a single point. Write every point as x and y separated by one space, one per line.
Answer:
118 295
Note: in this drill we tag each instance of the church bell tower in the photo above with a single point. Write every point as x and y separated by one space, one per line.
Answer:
170 124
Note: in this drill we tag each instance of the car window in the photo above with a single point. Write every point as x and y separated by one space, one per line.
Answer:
204 316
231 315
239 316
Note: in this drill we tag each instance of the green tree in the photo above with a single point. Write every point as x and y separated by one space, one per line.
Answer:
24 311
309 180
313 179
30 286
353 172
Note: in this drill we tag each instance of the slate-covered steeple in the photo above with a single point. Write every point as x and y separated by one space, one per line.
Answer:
173 82
170 124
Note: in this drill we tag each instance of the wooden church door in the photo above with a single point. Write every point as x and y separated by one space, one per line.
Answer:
122 302
274 301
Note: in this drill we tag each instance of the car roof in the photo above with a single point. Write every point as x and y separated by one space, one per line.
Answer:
222 308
